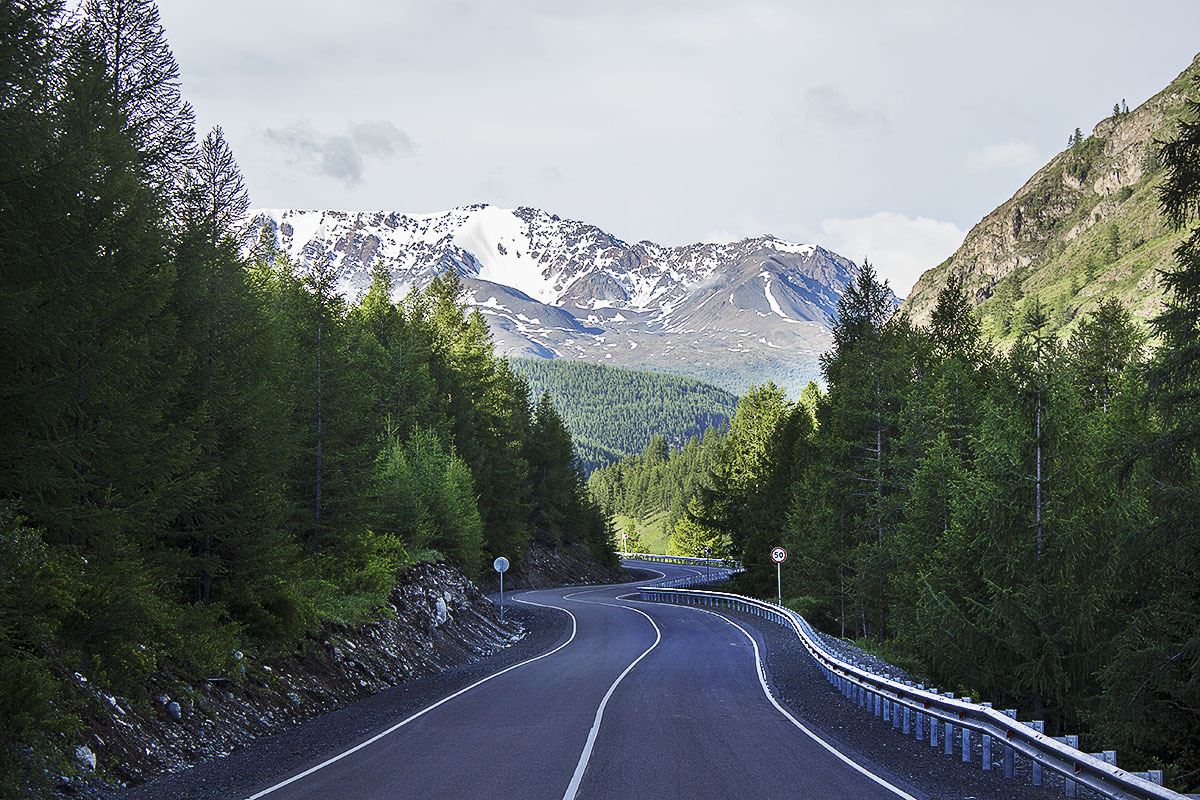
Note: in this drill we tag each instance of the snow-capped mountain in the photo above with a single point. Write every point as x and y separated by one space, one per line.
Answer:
733 314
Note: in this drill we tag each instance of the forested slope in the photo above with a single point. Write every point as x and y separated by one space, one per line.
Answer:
204 455
1022 523
613 412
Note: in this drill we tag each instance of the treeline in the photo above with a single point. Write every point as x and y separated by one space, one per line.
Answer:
1021 525
202 452
613 412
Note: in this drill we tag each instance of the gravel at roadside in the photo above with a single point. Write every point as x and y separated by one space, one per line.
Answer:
236 775
799 685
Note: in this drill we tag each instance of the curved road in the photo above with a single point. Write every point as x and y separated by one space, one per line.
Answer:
638 699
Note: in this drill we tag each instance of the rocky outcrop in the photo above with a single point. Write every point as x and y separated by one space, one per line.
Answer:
434 619
1054 235
565 565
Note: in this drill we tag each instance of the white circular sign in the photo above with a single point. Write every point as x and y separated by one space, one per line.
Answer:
500 564
779 555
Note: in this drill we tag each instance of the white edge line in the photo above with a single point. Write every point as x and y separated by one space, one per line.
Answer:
585 756
762 680
427 709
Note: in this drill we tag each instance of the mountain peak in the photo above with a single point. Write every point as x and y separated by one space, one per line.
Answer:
735 313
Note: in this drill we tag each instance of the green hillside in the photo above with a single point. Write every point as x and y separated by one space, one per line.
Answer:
1083 229
614 412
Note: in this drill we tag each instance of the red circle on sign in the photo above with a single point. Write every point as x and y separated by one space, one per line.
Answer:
779 555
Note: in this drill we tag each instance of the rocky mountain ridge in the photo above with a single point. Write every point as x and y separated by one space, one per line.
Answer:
732 314
1084 227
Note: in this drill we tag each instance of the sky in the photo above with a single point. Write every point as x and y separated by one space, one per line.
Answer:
883 130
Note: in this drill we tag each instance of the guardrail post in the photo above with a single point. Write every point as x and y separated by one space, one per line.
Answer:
1039 726
966 739
1070 741
907 721
878 705
933 726
919 726
896 715
1107 756
1155 776
1009 754
887 710
986 745
948 734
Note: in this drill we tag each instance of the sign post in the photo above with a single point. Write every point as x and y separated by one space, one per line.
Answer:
500 565
708 564
779 555
624 543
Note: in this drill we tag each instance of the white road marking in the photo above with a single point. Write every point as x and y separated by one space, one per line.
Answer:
574 787
585 756
762 680
427 709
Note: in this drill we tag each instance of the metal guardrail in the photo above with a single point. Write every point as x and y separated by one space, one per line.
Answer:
687 561
917 708
715 569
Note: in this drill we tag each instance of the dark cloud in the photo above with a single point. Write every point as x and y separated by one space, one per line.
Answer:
340 156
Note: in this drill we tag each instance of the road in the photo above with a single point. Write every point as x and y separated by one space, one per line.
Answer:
637 699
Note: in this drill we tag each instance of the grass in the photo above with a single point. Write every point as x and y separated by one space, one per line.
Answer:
651 531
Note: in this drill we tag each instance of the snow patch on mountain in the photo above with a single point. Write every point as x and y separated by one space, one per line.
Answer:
551 287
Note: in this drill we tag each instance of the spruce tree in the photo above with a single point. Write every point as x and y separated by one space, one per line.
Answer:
144 85
1151 681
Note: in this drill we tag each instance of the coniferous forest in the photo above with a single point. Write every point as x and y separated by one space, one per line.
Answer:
1022 525
202 451
614 412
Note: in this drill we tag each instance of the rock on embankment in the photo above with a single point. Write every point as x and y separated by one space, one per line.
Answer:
434 619
565 565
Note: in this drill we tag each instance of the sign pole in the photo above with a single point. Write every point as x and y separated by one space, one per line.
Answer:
500 565
779 555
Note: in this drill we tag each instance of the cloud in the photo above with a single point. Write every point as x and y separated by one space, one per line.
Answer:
823 117
550 175
900 247
340 156
496 187
1009 155
826 107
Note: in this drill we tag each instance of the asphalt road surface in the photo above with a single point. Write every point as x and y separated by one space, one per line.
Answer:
636 700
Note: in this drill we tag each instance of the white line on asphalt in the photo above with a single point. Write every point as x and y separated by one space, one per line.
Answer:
427 709
585 756
762 680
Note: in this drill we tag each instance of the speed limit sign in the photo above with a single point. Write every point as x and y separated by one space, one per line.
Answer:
779 555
